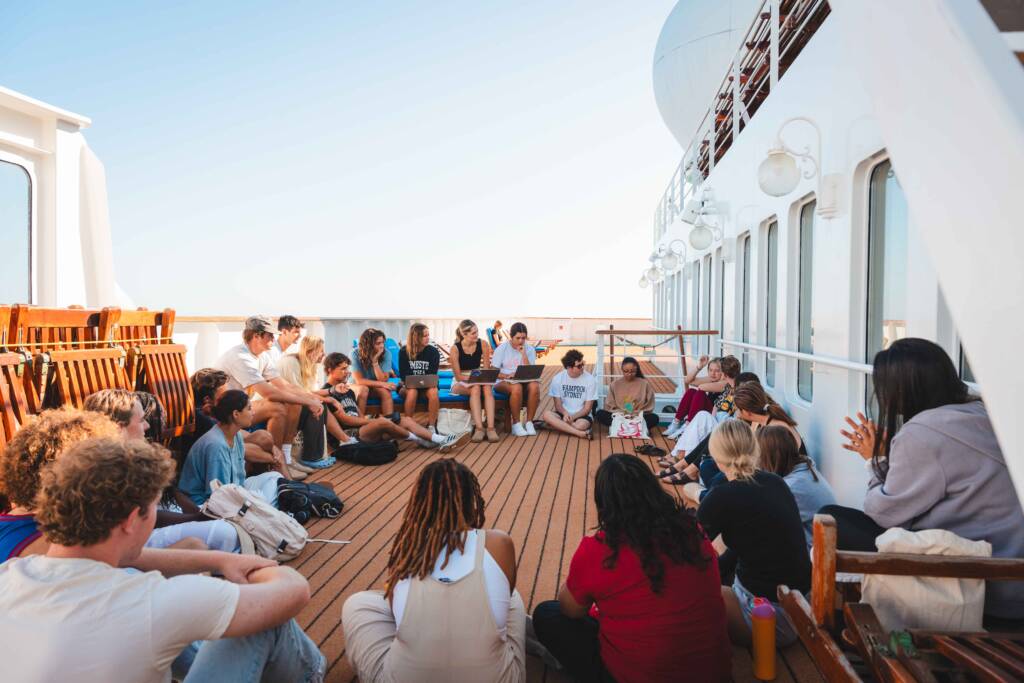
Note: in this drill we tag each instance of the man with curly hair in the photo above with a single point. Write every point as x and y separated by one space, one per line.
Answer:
77 614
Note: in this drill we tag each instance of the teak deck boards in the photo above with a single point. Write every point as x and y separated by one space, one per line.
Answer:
537 489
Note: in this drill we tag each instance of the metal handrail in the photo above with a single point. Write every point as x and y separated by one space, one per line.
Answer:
850 365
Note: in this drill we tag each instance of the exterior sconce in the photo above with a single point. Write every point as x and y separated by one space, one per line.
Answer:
779 173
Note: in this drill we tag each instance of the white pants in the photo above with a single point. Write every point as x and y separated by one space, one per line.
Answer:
698 429
264 485
216 534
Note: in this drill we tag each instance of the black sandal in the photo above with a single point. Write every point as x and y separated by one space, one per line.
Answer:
667 461
650 449
678 479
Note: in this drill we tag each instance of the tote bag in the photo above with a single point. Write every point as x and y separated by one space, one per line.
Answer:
624 427
453 421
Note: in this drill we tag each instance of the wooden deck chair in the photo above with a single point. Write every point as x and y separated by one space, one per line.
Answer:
13 408
129 329
5 324
979 656
163 373
36 331
79 373
545 346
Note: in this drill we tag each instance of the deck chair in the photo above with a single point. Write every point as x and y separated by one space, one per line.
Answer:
35 331
129 329
5 324
13 407
910 655
545 346
163 373
79 373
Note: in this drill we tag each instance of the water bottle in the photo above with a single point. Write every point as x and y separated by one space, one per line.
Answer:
762 619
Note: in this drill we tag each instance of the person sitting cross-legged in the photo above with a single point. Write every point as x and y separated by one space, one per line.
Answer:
574 391
220 454
653 578
77 613
359 427
630 395
450 611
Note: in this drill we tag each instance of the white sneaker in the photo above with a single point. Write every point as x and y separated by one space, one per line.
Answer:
530 430
518 430
453 441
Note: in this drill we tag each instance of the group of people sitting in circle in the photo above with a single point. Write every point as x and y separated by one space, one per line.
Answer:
97 568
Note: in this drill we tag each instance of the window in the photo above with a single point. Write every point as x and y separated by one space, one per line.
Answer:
771 298
966 374
721 295
695 307
745 301
805 321
15 234
705 305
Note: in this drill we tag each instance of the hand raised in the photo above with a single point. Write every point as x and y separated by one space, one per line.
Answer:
861 439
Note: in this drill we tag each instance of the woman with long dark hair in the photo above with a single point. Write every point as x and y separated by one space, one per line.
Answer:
935 463
451 582
780 455
630 394
653 577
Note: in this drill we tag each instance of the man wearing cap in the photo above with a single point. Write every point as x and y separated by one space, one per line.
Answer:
251 368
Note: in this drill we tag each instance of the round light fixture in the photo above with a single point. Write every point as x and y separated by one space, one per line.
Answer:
778 174
643 282
701 237
669 262
654 275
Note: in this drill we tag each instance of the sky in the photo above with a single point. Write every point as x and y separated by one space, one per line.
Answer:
359 159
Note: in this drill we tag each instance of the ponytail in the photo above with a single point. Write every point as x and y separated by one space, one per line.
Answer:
464 327
752 398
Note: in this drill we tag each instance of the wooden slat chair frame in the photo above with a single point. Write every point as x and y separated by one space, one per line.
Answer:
13 407
163 373
5 324
35 331
79 373
817 623
129 329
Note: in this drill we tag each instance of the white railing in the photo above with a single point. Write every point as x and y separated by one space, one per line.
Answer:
728 110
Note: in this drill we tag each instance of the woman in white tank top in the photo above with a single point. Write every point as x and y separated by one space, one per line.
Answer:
451 612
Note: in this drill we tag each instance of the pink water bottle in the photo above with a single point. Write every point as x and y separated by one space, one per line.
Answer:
762 620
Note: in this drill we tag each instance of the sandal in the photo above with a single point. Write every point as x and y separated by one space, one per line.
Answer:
650 449
678 479
667 461
667 472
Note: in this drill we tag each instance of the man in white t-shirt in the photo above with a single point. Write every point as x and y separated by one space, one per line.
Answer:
251 368
574 391
289 329
79 614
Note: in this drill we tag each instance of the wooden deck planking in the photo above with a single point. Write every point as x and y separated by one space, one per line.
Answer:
537 489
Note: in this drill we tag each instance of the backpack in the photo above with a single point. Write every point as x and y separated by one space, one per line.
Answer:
301 499
363 453
275 534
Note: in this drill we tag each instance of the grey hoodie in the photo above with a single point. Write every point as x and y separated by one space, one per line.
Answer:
946 471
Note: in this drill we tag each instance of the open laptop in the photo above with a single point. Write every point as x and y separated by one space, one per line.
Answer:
420 381
528 373
483 376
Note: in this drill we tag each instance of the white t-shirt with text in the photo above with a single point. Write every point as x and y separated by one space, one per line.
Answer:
83 620
574 392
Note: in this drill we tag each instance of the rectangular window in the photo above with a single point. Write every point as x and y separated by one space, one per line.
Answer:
705 306
771 298
695 310
805 306
720 323
16 234
745 302
966 374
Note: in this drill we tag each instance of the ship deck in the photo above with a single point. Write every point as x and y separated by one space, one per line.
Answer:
537 489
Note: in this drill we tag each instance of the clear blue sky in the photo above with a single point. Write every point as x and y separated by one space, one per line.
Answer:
358 158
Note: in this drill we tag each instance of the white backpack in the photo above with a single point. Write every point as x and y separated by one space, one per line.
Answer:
272 533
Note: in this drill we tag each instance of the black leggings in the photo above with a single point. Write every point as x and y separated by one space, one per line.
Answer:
605 418
573 642
854 529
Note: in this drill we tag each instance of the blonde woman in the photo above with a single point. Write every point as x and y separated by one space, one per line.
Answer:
758 520
419 357
470 352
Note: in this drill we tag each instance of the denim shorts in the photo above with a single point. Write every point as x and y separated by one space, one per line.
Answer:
785 632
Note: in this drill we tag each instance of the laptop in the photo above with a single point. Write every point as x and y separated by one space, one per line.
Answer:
528 373
483 376
420 381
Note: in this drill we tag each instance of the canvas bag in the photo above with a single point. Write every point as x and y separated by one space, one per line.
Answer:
453 421
943 604
624 427
274 534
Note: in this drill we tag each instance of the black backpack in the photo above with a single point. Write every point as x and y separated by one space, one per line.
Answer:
362 453
301 500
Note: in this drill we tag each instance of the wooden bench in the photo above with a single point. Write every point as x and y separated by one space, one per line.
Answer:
919 655
163 373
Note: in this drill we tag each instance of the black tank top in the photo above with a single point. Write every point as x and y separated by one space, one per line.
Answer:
470 361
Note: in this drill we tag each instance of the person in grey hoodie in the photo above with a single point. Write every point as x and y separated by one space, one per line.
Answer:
942 469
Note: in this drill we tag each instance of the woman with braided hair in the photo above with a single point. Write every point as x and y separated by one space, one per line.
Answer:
652 576
450 611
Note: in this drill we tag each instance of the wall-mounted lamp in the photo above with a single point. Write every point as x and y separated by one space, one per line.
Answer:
654 275
779 173
671 255
703 234
644 283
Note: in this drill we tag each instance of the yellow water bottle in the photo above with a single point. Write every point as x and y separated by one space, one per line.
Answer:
762 621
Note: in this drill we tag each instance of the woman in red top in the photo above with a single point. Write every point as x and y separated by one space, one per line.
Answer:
644 586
